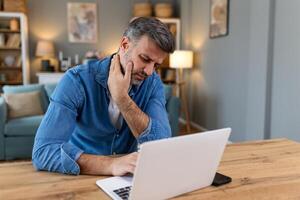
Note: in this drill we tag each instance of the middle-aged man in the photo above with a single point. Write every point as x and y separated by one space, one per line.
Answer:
107 107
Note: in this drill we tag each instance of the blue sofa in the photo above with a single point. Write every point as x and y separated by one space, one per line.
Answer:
17 135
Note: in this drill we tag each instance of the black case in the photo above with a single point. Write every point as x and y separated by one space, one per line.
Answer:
221 179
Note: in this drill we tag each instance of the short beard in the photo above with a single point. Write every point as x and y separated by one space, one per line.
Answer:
127 58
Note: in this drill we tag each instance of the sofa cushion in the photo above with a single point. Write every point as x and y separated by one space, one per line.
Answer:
23 104
25 126
9 89
18 147
50 88
168 91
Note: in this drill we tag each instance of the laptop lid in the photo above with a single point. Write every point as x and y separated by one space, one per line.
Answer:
170 167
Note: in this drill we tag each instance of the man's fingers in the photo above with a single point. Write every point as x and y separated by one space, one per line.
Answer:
113 63
132 161
117 63
131 168
129 67
133 158
133 155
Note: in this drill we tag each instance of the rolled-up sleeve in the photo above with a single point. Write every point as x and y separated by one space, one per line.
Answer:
158 126
52 150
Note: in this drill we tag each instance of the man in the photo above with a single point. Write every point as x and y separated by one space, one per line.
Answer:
107 107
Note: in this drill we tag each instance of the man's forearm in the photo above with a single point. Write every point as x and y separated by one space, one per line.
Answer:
95 165
118 165
136 119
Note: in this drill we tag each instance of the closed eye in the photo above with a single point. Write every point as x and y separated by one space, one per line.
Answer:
148 60
145 60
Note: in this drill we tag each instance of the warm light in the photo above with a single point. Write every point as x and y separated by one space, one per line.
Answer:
181 59
45 49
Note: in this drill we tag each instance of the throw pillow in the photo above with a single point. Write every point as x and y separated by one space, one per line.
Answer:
29 88
23 104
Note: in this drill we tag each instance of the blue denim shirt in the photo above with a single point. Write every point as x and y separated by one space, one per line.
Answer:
77 120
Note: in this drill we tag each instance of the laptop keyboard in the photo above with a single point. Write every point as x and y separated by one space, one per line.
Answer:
123 192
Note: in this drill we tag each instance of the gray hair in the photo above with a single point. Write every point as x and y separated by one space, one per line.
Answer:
154 29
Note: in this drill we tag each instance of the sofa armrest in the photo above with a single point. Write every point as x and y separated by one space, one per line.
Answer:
3 111
173 109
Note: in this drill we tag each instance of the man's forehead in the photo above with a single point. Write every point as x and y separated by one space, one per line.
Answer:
157 59
149 48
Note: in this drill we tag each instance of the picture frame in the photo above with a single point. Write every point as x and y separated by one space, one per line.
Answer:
219 18
82 22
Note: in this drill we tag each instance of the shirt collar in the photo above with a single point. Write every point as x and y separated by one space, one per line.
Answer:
102 71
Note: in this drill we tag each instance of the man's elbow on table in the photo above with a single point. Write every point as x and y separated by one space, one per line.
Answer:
37 162
56 158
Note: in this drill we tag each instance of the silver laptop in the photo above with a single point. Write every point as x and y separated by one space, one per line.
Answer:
170 167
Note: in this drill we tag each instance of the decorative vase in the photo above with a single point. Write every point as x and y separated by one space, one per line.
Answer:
163 10
14 25
142 10
9 60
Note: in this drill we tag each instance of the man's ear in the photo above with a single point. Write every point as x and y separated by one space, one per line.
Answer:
124 44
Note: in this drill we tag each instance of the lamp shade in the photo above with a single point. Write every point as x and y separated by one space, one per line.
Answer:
181 59
45 49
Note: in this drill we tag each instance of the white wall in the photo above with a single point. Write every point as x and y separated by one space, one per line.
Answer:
248 80
228 84
285 112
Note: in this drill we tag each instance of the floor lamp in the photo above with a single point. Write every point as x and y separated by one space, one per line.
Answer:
182 59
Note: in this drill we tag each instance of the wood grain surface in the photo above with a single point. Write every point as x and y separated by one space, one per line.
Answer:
267 169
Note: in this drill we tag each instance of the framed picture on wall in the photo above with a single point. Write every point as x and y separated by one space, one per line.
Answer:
219 18
82 22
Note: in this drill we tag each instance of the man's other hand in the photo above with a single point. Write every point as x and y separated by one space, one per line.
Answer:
124 164
118 83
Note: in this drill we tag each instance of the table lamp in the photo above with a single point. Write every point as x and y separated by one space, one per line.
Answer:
182 59
45 50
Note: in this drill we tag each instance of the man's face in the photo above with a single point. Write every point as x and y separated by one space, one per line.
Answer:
145 56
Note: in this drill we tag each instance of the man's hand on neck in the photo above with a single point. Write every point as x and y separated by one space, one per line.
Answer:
118 85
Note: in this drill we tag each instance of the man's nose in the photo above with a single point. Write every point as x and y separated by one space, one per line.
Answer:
149 69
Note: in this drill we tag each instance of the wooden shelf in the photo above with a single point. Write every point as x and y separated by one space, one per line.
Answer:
10 82
10 48
8 31
11 68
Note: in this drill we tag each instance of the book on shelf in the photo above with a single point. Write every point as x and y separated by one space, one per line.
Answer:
2 40
18 61
13 41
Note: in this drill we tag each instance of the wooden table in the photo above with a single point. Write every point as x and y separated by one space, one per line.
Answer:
260 170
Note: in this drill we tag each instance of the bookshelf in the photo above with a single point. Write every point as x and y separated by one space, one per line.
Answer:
14 58
167 74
